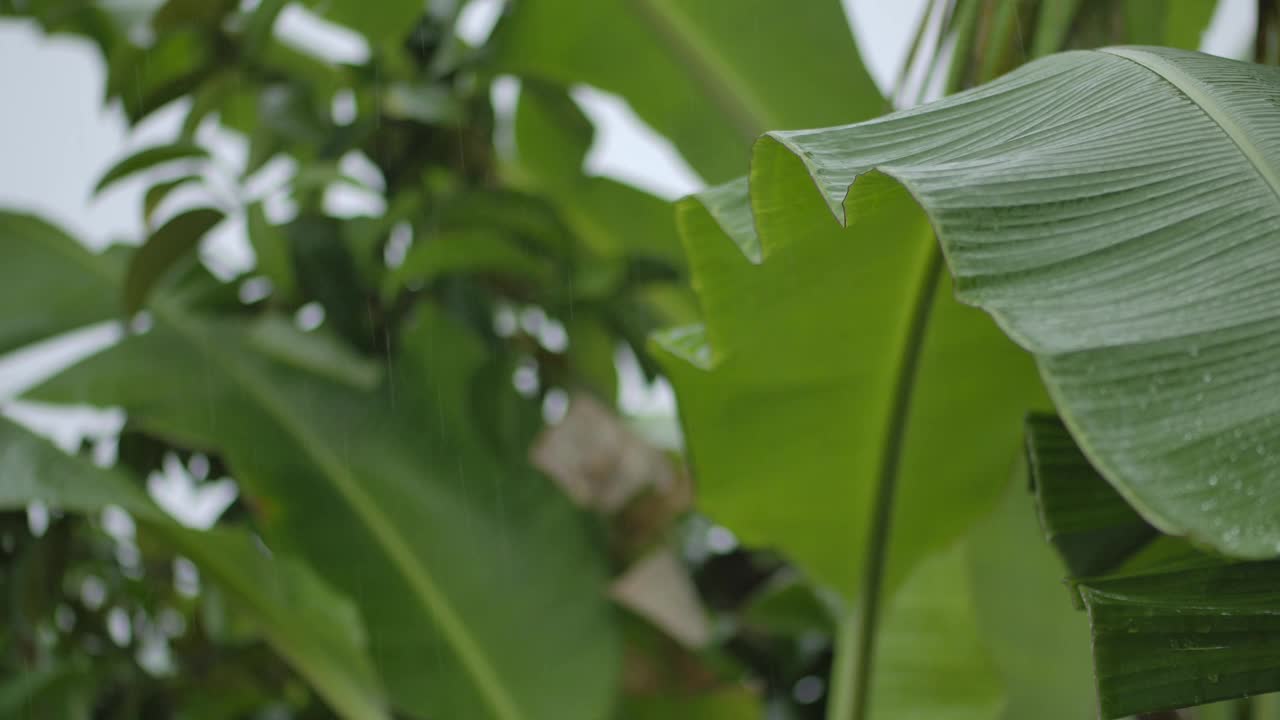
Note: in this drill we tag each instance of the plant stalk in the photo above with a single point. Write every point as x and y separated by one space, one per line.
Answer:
856 635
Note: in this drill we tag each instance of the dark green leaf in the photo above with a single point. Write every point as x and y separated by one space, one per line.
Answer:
1090 525
477 251
1171 627
1184 638
789 606
621 228
258 28
325 270
147 79
173 241
74 287
175 14
271 247
315 629
317 352
382 22
552 134
58 692
1053 25
399 471
733 704
158 192
1173 23
146 159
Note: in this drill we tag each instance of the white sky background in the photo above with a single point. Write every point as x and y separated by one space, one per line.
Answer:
56 139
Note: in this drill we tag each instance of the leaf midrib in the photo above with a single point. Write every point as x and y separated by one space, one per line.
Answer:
379 524
1205 99
854 701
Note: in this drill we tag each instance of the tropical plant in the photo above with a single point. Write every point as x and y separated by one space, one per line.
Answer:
423 530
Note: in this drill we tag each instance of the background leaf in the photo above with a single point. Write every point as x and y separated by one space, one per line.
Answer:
694 71
409 490
75 287
148 158
171 242
316 629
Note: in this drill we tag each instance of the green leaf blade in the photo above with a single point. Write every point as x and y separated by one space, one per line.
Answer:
315 629
930 659
1091 526
146 159
410 495
76 287
1115 223
1172 627
695 71
171 242
1187 638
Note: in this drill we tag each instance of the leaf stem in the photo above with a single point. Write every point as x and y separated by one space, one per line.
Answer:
856 635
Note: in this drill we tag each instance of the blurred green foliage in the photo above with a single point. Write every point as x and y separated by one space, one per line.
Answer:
382 382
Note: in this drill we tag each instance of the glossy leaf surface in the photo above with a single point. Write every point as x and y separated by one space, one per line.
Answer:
1114 211
1092 528
1171 627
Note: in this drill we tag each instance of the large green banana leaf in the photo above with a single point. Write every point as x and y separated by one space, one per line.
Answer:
464 569
708 75
1171 626
797 420
314 628
1116 212
797 395
1091 527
